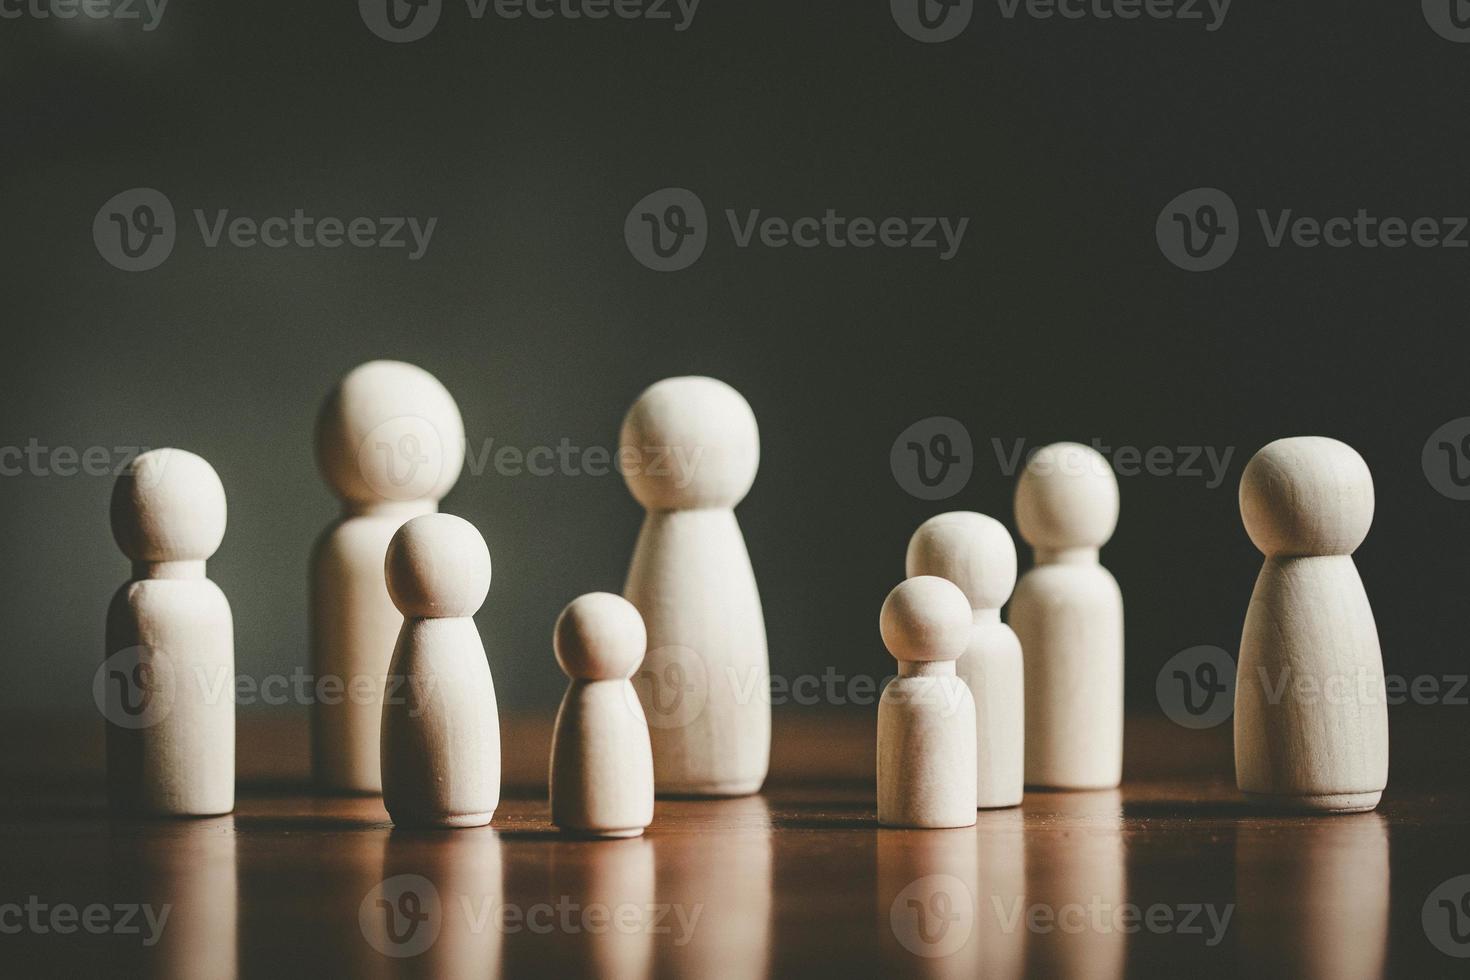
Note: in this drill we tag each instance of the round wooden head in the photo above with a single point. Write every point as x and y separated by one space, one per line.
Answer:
168 505
1306 496
437 567
389 432
688 443
600 637
1067 497
926 618
972 550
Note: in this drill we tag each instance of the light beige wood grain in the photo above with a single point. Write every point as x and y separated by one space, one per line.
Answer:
1067 612
601 777
1311 712
926 715
171 628
705 683
441 728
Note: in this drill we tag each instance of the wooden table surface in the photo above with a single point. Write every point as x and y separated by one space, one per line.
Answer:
1170 876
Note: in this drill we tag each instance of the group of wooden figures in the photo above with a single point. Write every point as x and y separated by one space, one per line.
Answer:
978 711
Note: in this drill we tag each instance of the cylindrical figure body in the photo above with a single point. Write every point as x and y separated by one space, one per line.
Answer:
441 728
991 667
926 749
353 623
1069 619
601 762
705 681
171 649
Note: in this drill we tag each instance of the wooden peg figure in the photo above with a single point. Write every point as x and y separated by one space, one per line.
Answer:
390 444
441 729
976 553
601 759
1068 614
690 449
167 688
926 716
1311 709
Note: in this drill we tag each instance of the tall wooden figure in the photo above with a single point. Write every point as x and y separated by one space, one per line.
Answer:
1311 713
167 687
601 761
926 716
976 553
390 443
1068 614
441 729
689 451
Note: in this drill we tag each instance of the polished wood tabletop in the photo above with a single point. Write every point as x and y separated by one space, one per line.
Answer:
1170 876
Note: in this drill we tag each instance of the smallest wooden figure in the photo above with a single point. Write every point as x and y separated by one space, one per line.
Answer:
601 758
926 716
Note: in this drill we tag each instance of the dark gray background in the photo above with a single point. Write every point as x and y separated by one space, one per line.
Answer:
531 140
